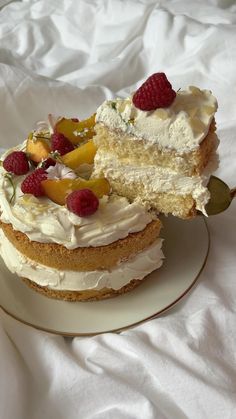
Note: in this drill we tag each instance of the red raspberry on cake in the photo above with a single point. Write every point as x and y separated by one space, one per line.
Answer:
16 163
32 183
48 163
61 144
82 202
155 92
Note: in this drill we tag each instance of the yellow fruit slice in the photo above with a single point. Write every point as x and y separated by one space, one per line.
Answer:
83 154
76 132
57 190
37 149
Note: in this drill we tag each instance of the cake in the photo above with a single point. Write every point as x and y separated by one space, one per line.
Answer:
66 236
158 146
79 200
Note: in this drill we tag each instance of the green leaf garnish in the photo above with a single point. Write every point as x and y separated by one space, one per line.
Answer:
40 137
9 176
113 105
56 156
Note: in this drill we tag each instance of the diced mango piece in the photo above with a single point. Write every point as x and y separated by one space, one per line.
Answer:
83 154
76 132
57 190
37 149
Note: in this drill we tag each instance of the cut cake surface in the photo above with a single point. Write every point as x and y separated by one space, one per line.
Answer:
161 158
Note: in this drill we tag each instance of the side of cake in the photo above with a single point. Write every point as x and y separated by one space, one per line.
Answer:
161 157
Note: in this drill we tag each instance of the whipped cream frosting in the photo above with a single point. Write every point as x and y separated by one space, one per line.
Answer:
44 221
157 179
180 127
136 268
60 171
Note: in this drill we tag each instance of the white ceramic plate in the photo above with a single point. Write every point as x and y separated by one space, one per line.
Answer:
185 247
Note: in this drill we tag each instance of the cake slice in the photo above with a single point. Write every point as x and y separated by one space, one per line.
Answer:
159 147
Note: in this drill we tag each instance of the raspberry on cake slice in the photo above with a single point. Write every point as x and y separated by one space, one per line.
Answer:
158 147
155 92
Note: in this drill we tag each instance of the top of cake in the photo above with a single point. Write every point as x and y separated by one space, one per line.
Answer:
54 164
180 127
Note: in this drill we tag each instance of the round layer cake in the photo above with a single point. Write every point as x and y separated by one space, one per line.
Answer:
67 256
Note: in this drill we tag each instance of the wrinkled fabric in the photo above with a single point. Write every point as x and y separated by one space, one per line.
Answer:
66 57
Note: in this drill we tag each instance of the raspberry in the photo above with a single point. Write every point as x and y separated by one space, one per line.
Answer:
48 163
61 144
155 92
32 183
82 202
16 163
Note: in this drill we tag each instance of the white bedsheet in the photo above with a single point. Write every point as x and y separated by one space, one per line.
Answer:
182 364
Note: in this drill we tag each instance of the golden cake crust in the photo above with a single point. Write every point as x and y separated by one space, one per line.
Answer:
86 295
83 258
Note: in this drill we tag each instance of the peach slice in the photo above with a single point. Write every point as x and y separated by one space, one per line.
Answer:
37 149
57 190
76 132
83 154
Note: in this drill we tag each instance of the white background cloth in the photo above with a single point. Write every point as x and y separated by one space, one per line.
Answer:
182 364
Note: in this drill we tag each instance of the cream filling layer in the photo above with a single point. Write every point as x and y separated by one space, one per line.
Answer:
155 180
44 221
136 268
180 127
